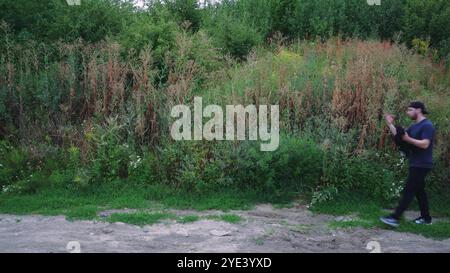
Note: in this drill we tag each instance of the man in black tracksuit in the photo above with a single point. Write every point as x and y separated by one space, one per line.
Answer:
417 143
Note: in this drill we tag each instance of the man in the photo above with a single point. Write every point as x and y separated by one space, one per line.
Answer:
419 141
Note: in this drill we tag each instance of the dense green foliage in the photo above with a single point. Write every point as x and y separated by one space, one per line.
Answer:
236 25
86 92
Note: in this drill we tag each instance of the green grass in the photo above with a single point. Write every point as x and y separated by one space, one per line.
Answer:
140 218
438 230
188 219
230 199
86 205
366 214
75 205
83 212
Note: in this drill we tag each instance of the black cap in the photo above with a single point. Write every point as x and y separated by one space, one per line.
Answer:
417 105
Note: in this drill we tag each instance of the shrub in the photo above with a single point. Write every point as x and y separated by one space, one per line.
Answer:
295 166
31 184
202 166
190 166
370 174
145 169
14 165
111 159
237 38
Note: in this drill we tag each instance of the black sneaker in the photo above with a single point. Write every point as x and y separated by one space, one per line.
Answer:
390 221
422 221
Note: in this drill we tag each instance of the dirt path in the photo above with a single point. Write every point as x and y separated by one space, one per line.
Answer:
263 229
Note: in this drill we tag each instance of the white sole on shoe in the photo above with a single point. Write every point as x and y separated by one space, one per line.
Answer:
389 223
426 224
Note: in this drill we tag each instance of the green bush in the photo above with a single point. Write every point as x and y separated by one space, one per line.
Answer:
145 169
185 11
190 166
252 168
157 32
295 166
61 179
14 166
32 183
427 20
236 38
52 20
111 159
27 169
203 166
297 163
370 174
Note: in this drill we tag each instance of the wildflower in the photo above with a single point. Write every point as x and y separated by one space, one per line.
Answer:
135 163
5 189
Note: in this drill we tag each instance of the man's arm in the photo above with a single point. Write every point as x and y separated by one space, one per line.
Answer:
423 144
426 136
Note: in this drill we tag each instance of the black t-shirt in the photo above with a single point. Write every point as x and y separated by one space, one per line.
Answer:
418 157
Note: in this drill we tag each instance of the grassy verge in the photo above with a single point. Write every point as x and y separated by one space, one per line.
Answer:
86 205
142 218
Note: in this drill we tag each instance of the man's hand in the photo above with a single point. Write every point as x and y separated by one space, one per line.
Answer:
406 137
389 119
